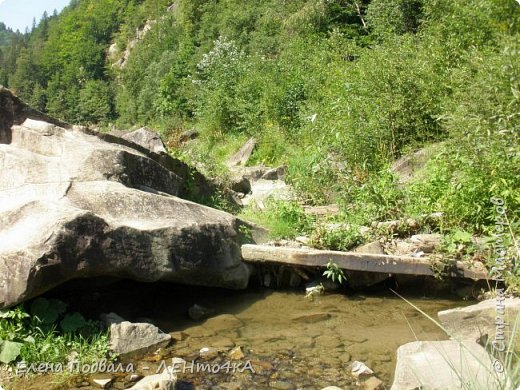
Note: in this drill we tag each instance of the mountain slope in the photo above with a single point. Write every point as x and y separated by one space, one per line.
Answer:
336 90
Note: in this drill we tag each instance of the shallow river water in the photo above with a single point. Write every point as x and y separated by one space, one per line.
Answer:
290 341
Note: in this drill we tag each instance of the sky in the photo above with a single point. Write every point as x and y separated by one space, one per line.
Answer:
19 14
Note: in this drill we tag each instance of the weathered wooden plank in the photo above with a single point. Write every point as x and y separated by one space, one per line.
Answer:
351 261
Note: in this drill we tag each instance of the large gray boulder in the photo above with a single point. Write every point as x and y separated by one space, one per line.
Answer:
479 322
75 206
194 185
146 138
444 365
13 112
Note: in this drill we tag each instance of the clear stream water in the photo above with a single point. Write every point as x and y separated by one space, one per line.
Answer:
291 342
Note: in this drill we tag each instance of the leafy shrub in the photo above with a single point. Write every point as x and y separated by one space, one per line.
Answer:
334 273
481 159
218 74
341 238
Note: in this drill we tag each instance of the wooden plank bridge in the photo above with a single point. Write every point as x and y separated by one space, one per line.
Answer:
353 261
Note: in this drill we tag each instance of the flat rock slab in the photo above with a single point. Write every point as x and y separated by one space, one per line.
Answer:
262 189
443 365
242 156
473 322
350 261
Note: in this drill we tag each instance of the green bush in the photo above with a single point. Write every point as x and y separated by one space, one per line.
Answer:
482 157
344 237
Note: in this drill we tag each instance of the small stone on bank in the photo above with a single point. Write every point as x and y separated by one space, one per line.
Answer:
179 336
128 339
208 352
360 368
102 382
281 385
197 312
373 383
163 381
332 388
236 353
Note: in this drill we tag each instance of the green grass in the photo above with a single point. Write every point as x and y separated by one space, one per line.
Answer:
283 219
46 333
209 153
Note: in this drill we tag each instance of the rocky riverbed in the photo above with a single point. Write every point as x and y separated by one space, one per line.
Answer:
289 341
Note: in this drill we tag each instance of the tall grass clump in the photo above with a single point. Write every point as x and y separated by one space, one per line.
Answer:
503 368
